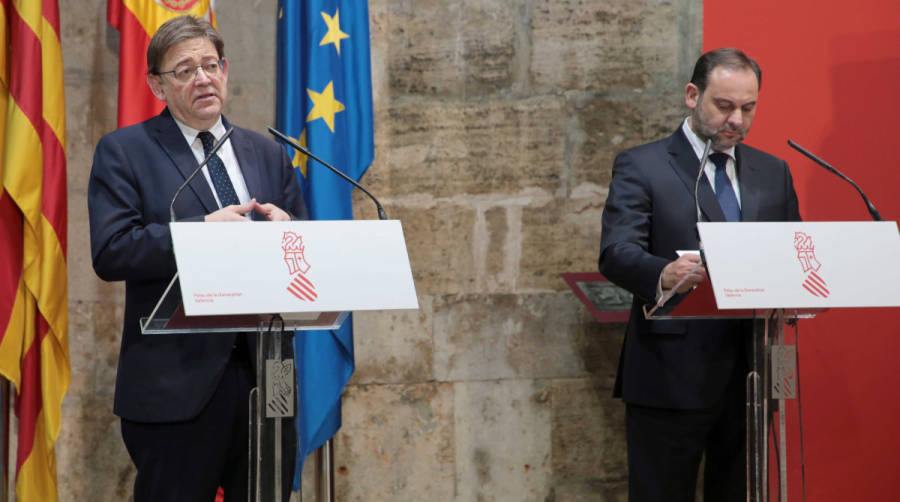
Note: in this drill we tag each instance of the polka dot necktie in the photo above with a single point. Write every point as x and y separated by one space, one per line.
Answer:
724 190
217 172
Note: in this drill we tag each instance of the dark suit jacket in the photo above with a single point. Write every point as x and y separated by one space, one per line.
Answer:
649 214
136 171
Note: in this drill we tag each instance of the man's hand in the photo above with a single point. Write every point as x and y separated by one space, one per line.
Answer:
272 212
686 266
239 212
234 212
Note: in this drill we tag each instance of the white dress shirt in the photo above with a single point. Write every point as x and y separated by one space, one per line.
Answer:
226 153
710 169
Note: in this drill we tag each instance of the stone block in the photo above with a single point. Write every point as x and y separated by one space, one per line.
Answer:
90 46
439 243
456 49
396 443
503 440
250 41
83 130
608 125
251 104
481 337
560 236
83 282
394 346
94 334
603 45
93 462
589 456
444 149
250 47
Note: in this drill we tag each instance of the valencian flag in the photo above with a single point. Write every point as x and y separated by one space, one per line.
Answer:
137 21
324 101
34 346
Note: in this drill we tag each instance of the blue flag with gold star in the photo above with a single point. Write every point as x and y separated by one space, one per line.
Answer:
324 101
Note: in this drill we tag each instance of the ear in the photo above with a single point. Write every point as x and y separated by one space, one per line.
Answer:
155 83
691 96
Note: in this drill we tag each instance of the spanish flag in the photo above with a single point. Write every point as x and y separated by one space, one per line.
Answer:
137 21
34 347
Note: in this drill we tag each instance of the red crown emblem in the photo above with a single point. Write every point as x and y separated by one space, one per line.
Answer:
806 254
178 5
295 258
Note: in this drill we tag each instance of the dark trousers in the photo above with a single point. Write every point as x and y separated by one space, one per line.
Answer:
188 461
665 447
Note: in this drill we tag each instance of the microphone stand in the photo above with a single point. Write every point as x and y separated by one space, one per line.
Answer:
872 211
283 137
209 156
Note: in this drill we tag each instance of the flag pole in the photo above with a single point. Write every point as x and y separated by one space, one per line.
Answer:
325 472
4 437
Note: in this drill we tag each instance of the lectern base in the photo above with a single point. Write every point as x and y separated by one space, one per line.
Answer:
272 409
770 382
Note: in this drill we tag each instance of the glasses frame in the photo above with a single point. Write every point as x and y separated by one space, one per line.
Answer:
196 69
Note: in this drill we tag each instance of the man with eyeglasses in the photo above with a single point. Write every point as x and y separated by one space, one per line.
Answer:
183 399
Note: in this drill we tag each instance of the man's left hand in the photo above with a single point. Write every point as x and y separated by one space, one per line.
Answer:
272 212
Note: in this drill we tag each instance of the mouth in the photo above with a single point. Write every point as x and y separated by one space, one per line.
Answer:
205 97
731 134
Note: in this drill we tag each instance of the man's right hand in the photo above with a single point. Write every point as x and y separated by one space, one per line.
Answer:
687 266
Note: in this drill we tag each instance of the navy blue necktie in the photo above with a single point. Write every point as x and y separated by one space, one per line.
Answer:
217 172
724 190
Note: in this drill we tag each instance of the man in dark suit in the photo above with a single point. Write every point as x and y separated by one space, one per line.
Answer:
683 381
182 399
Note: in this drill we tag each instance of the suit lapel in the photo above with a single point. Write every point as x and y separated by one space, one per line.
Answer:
751 182
172 142
246 157
685 163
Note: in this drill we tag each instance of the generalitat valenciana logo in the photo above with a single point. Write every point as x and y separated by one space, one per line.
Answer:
806 254
295 258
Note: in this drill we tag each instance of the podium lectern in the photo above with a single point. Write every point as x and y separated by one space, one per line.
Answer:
776 273
274 277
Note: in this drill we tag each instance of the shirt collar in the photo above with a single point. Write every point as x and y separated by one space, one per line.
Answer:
698 144
190 134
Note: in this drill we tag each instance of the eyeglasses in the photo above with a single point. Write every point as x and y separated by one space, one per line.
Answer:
185 74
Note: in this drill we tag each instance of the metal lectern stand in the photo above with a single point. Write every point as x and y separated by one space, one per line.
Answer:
273 400
772 376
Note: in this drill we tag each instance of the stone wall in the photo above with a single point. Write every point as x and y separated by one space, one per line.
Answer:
496 125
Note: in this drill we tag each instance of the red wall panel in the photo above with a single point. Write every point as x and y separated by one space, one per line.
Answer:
831 82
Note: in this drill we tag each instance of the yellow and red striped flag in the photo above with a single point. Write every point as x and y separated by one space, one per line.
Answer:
137 21
34 347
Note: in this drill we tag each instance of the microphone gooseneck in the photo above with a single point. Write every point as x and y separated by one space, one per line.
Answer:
700 176
700 172
283 137
872 211
221 141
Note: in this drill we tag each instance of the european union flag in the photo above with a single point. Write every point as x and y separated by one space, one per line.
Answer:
325 103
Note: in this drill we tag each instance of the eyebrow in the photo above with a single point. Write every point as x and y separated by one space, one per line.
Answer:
730 102
190 60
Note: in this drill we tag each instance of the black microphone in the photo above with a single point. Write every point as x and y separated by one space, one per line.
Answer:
700 172
209 156
700 176
869 206
381 214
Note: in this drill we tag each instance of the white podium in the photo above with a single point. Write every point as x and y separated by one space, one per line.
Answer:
776 273
271 278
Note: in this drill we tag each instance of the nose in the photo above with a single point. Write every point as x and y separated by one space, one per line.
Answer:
736 117
200 76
